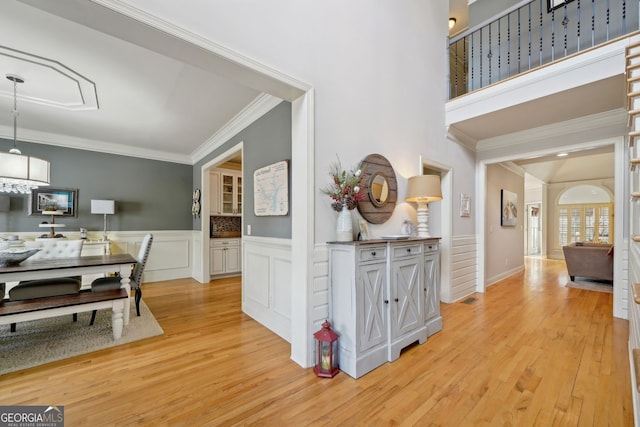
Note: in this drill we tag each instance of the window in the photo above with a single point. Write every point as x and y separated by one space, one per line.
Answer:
585 223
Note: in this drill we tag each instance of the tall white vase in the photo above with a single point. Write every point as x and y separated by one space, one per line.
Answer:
344 225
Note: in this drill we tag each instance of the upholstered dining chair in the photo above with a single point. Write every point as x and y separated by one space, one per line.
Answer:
106 283
41 288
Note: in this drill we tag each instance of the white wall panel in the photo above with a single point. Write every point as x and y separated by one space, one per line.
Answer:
266 283
464 267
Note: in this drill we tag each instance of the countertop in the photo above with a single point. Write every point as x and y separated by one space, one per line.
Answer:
226 234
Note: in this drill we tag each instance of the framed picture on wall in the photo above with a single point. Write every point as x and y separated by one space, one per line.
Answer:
271 190
508 208
58 201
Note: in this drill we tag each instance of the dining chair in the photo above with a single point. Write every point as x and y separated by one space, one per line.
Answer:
106 283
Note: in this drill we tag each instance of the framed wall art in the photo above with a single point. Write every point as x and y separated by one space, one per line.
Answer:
47 200
271 190
508 208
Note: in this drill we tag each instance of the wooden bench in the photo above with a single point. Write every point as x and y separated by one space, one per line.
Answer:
42 308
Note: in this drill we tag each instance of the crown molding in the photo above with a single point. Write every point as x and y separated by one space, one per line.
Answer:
261 105
512 167
66 141
613 118
456 135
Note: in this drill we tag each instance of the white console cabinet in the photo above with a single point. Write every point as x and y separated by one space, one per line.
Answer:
384 297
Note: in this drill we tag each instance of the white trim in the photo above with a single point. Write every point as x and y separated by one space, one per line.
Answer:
302 227
203 276
446 218
615 118
499 95
495 279
621 282
66 141
261 105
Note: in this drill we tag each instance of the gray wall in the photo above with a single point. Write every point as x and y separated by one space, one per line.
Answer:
266 141
149 194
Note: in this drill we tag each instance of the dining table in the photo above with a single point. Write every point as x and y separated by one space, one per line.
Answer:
65 267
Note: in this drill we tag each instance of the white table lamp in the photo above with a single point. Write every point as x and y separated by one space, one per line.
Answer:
423 189
103 207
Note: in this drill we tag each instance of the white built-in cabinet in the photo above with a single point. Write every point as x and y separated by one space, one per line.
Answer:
384 297
225 192
225 257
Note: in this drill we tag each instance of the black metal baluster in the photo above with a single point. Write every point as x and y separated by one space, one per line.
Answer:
541 46
593 23
565 24
624 17
578 24
519 43
508 69
499 51
608 19
465 75
553 35
530 39
473 67
489 54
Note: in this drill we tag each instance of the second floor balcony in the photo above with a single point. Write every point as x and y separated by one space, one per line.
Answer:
534 33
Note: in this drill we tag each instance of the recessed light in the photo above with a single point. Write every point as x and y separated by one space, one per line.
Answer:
562 154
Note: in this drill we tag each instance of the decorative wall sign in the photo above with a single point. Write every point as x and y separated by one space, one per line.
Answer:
508 208
271 190
44 201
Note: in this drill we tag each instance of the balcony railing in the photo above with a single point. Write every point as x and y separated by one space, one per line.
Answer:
531 34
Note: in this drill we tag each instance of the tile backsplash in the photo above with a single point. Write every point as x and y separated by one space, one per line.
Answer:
225 223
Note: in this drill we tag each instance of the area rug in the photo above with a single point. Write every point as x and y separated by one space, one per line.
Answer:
42 341
591 285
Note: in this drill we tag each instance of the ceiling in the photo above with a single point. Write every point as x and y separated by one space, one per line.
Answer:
86 88
102 91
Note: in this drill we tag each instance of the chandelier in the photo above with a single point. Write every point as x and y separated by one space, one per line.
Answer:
18 173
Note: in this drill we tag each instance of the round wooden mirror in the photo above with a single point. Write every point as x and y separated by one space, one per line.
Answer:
382 189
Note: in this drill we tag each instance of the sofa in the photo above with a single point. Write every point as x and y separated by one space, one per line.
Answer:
587 259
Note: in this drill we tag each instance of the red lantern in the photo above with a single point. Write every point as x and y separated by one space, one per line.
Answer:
326 365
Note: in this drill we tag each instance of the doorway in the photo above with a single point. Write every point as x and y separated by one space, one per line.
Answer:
534 230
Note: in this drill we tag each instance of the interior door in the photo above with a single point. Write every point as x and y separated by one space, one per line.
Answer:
533 229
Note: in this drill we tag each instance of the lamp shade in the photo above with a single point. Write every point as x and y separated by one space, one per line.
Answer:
425 188
106 207
27 168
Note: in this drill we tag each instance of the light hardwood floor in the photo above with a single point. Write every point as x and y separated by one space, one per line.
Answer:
527 352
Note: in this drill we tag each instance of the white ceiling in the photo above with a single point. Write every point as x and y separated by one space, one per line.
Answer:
146 100
155 103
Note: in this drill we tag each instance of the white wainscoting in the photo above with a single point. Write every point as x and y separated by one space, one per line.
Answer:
266 282
170 256
464 268
320 297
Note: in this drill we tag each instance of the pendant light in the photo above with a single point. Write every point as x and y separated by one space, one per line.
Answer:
18 173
